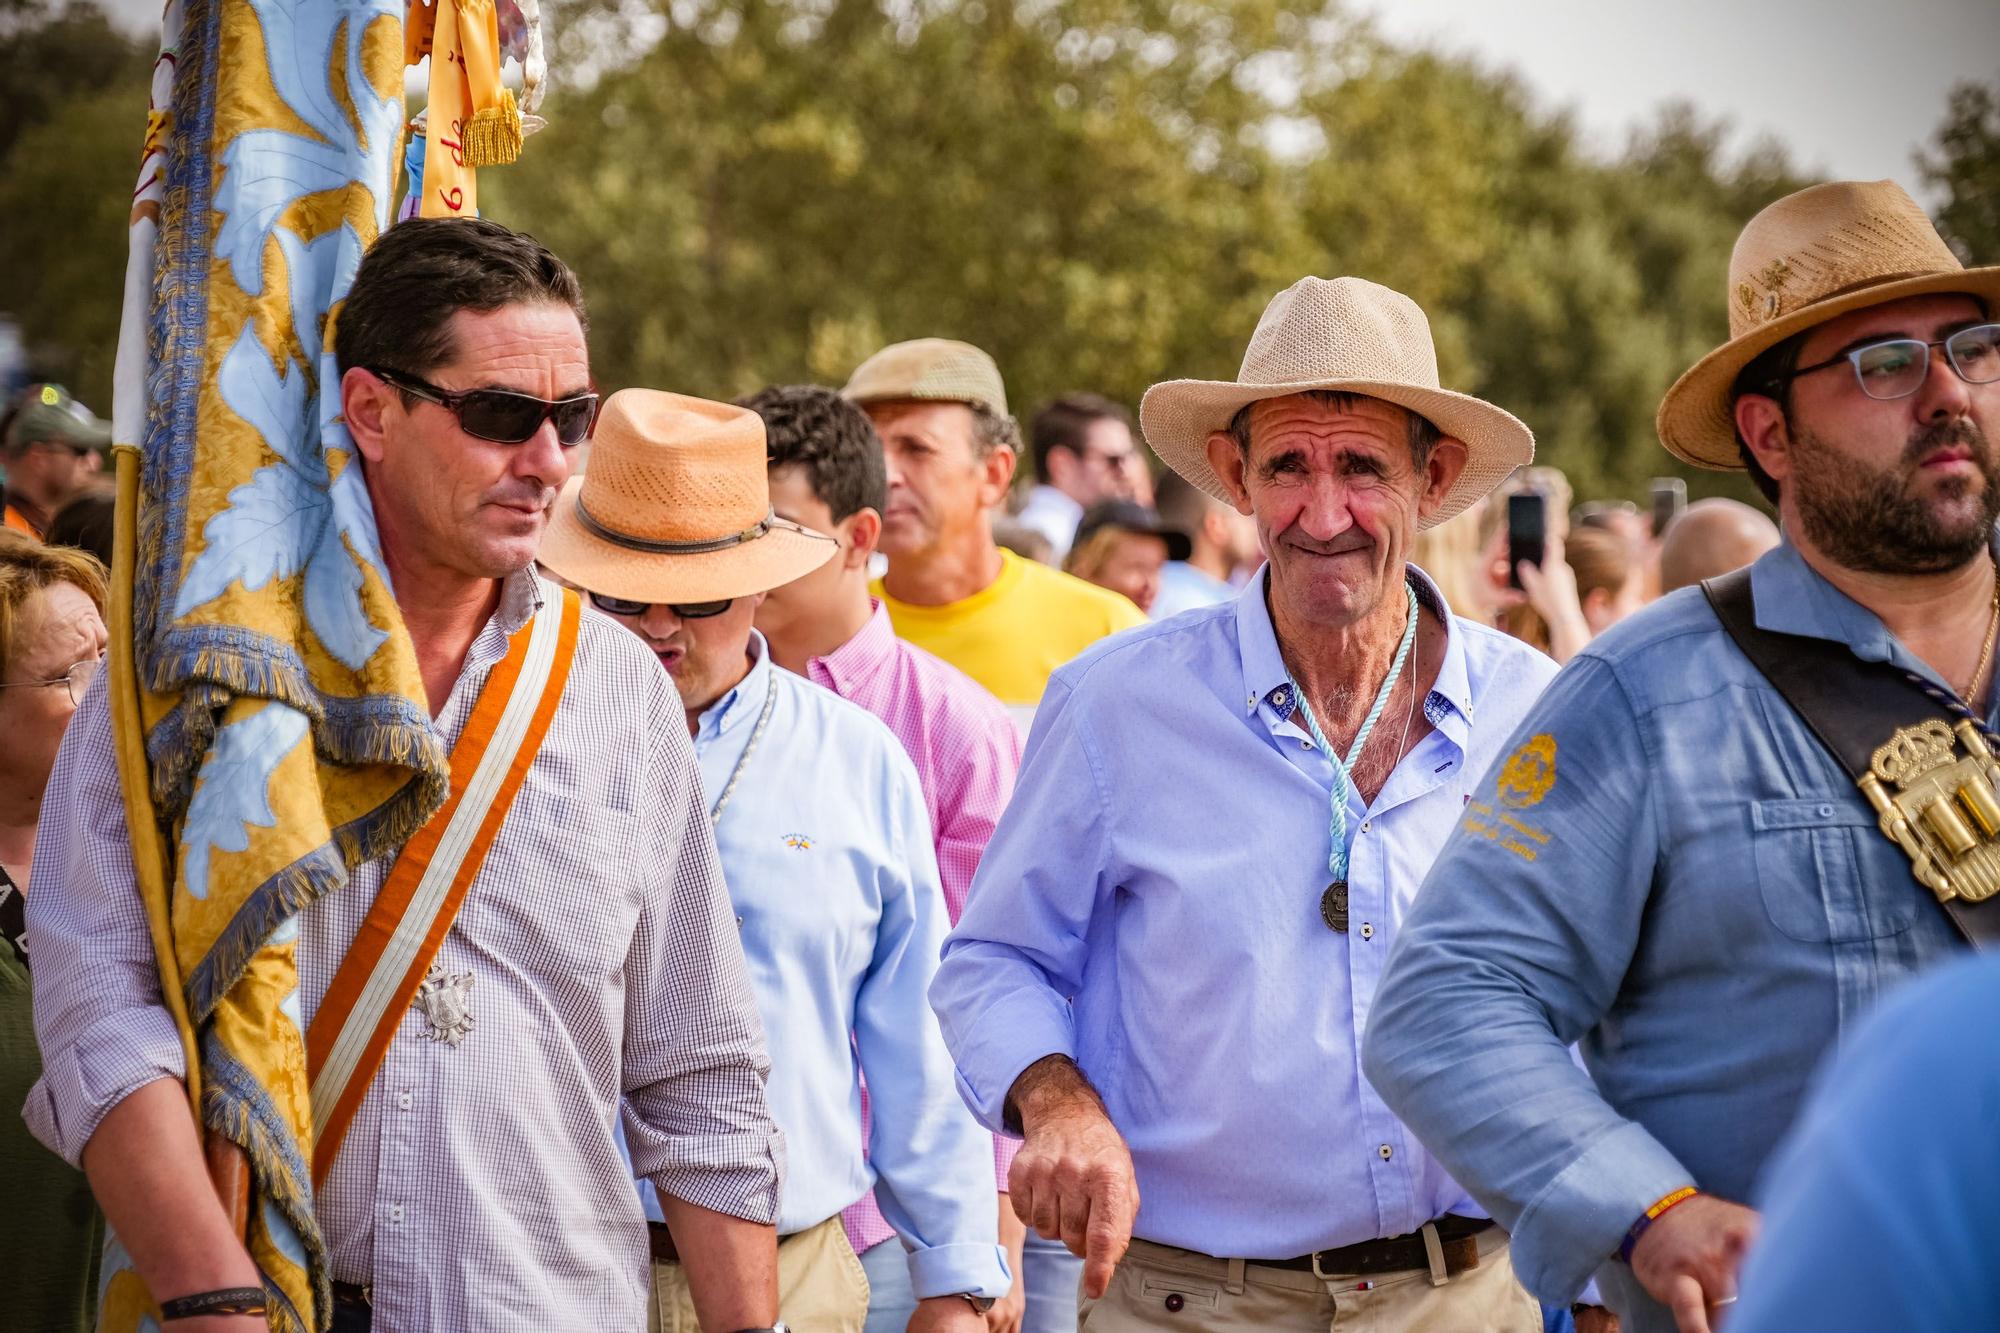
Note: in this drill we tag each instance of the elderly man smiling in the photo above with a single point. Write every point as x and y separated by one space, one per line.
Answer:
1172 944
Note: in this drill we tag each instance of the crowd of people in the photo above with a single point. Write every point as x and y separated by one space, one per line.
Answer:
1224 881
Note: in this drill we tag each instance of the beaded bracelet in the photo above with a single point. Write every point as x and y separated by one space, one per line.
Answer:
1650 1216
228 1300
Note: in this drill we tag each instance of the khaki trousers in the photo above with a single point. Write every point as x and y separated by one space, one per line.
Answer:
1158 1287
821 1288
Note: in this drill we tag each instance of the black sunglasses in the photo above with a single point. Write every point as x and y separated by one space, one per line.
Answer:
502 415
620 606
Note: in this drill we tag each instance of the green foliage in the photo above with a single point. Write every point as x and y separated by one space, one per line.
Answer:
1965 166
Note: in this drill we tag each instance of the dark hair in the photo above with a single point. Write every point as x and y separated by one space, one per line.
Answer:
1065 422
832 439
420 273
86 523
1770 375
1421 434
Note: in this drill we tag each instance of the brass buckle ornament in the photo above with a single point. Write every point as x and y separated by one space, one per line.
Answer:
1944 811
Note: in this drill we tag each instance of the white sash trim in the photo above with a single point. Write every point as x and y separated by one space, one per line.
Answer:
380 990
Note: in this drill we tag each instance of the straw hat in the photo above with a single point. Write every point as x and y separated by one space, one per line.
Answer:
676 507
1351 335
1805 259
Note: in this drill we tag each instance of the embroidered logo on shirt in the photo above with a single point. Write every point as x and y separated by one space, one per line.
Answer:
1529 774
798 842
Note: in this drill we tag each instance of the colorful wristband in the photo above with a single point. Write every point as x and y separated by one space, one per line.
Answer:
1650 1216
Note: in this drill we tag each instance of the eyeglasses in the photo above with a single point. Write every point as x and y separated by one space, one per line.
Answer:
1897 367
501 415
77 678
620 606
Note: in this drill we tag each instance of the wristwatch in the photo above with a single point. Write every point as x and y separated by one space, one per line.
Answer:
979 1304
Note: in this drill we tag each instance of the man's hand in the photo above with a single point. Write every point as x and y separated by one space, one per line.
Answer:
1008 1312
1595 1319
1073 1179
1688 1260
947 1314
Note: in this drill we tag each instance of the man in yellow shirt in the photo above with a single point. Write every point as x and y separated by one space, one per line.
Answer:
941 411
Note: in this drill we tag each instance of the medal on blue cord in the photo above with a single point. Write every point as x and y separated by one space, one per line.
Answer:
1333 903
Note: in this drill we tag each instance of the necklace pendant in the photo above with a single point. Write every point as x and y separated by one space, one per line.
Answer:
1333 906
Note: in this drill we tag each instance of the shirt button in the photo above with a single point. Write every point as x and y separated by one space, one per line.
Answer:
405 1099
1826 812
396 1209
1305 745
1385 1152
1367 931
1366 825
1175 1302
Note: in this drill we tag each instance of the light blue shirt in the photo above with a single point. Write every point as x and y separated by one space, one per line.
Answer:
1183 588
1883 1204
826 849
1162 862
1692 888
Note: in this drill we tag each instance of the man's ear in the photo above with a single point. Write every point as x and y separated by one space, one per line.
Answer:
998 467
1761 424
1225 456
859 532
364 403
1441 473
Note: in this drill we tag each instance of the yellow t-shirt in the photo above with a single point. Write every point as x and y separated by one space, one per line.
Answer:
1010 635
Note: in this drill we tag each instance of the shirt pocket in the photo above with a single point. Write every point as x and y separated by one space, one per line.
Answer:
1827 873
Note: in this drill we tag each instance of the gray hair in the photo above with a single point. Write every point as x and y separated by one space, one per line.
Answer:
992 430
1422 435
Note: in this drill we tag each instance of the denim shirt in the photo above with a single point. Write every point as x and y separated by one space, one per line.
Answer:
1671 871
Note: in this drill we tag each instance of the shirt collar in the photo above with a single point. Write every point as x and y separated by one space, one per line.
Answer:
1794 598
871 649
743 702
1266 683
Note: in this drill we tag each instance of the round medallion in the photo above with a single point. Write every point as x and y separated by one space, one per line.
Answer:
1333 906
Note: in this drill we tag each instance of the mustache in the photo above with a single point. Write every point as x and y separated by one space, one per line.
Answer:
1964 431
541 497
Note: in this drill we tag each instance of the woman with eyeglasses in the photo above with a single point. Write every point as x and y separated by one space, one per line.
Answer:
52 638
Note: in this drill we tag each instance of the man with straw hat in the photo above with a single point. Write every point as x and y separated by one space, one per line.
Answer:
1746 812
825 842
1173 941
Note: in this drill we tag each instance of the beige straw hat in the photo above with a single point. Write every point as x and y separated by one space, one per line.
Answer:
676 507
1810 256
1345 334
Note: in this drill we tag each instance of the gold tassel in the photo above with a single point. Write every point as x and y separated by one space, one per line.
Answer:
493 139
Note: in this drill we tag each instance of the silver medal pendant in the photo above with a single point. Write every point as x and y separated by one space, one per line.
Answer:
445 1000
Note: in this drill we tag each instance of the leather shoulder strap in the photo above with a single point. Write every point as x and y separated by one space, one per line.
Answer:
1851 706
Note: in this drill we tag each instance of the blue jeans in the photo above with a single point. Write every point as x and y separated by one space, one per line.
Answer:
1052 1275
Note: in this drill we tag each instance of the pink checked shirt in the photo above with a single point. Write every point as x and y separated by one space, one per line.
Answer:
966 748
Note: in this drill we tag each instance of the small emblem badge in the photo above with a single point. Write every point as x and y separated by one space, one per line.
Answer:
799 842
446 1002
1529 773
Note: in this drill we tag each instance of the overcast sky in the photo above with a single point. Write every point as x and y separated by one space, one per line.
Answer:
1851 87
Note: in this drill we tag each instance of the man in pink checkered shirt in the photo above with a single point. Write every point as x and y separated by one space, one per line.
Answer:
827 473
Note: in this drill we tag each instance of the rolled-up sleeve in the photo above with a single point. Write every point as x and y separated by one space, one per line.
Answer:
103 1028
1515 947
1017 955
696 1120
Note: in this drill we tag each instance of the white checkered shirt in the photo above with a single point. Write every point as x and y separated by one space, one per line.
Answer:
480 1185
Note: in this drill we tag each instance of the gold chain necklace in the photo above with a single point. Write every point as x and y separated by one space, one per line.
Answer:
1986 651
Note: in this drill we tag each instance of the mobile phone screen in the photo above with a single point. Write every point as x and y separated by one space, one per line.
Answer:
1670 496
1527 532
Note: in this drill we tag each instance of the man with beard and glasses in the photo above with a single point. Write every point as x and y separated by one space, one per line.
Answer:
1730 825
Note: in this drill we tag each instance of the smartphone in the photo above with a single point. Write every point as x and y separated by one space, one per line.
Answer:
1527 532
1670 496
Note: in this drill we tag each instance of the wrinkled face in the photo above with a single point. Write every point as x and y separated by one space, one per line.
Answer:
55 629
1132 567
1897 486
707 656
939 486
450 500
1336 497
807 597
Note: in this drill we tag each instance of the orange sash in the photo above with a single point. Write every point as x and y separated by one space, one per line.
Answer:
406 925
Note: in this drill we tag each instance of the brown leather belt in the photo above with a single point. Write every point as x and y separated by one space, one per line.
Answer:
1395 1254
662 1241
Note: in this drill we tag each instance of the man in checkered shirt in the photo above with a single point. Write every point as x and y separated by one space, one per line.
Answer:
480 1185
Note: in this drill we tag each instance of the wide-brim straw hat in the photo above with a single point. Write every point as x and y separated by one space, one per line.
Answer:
676 507
1802 261
1349 335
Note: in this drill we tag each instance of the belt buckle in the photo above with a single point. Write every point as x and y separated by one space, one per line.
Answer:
1319 1272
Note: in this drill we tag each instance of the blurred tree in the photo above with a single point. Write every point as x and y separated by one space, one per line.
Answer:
1965 168
72 117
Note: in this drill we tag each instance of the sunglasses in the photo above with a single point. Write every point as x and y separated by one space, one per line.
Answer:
501 415
1897 367
620 606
